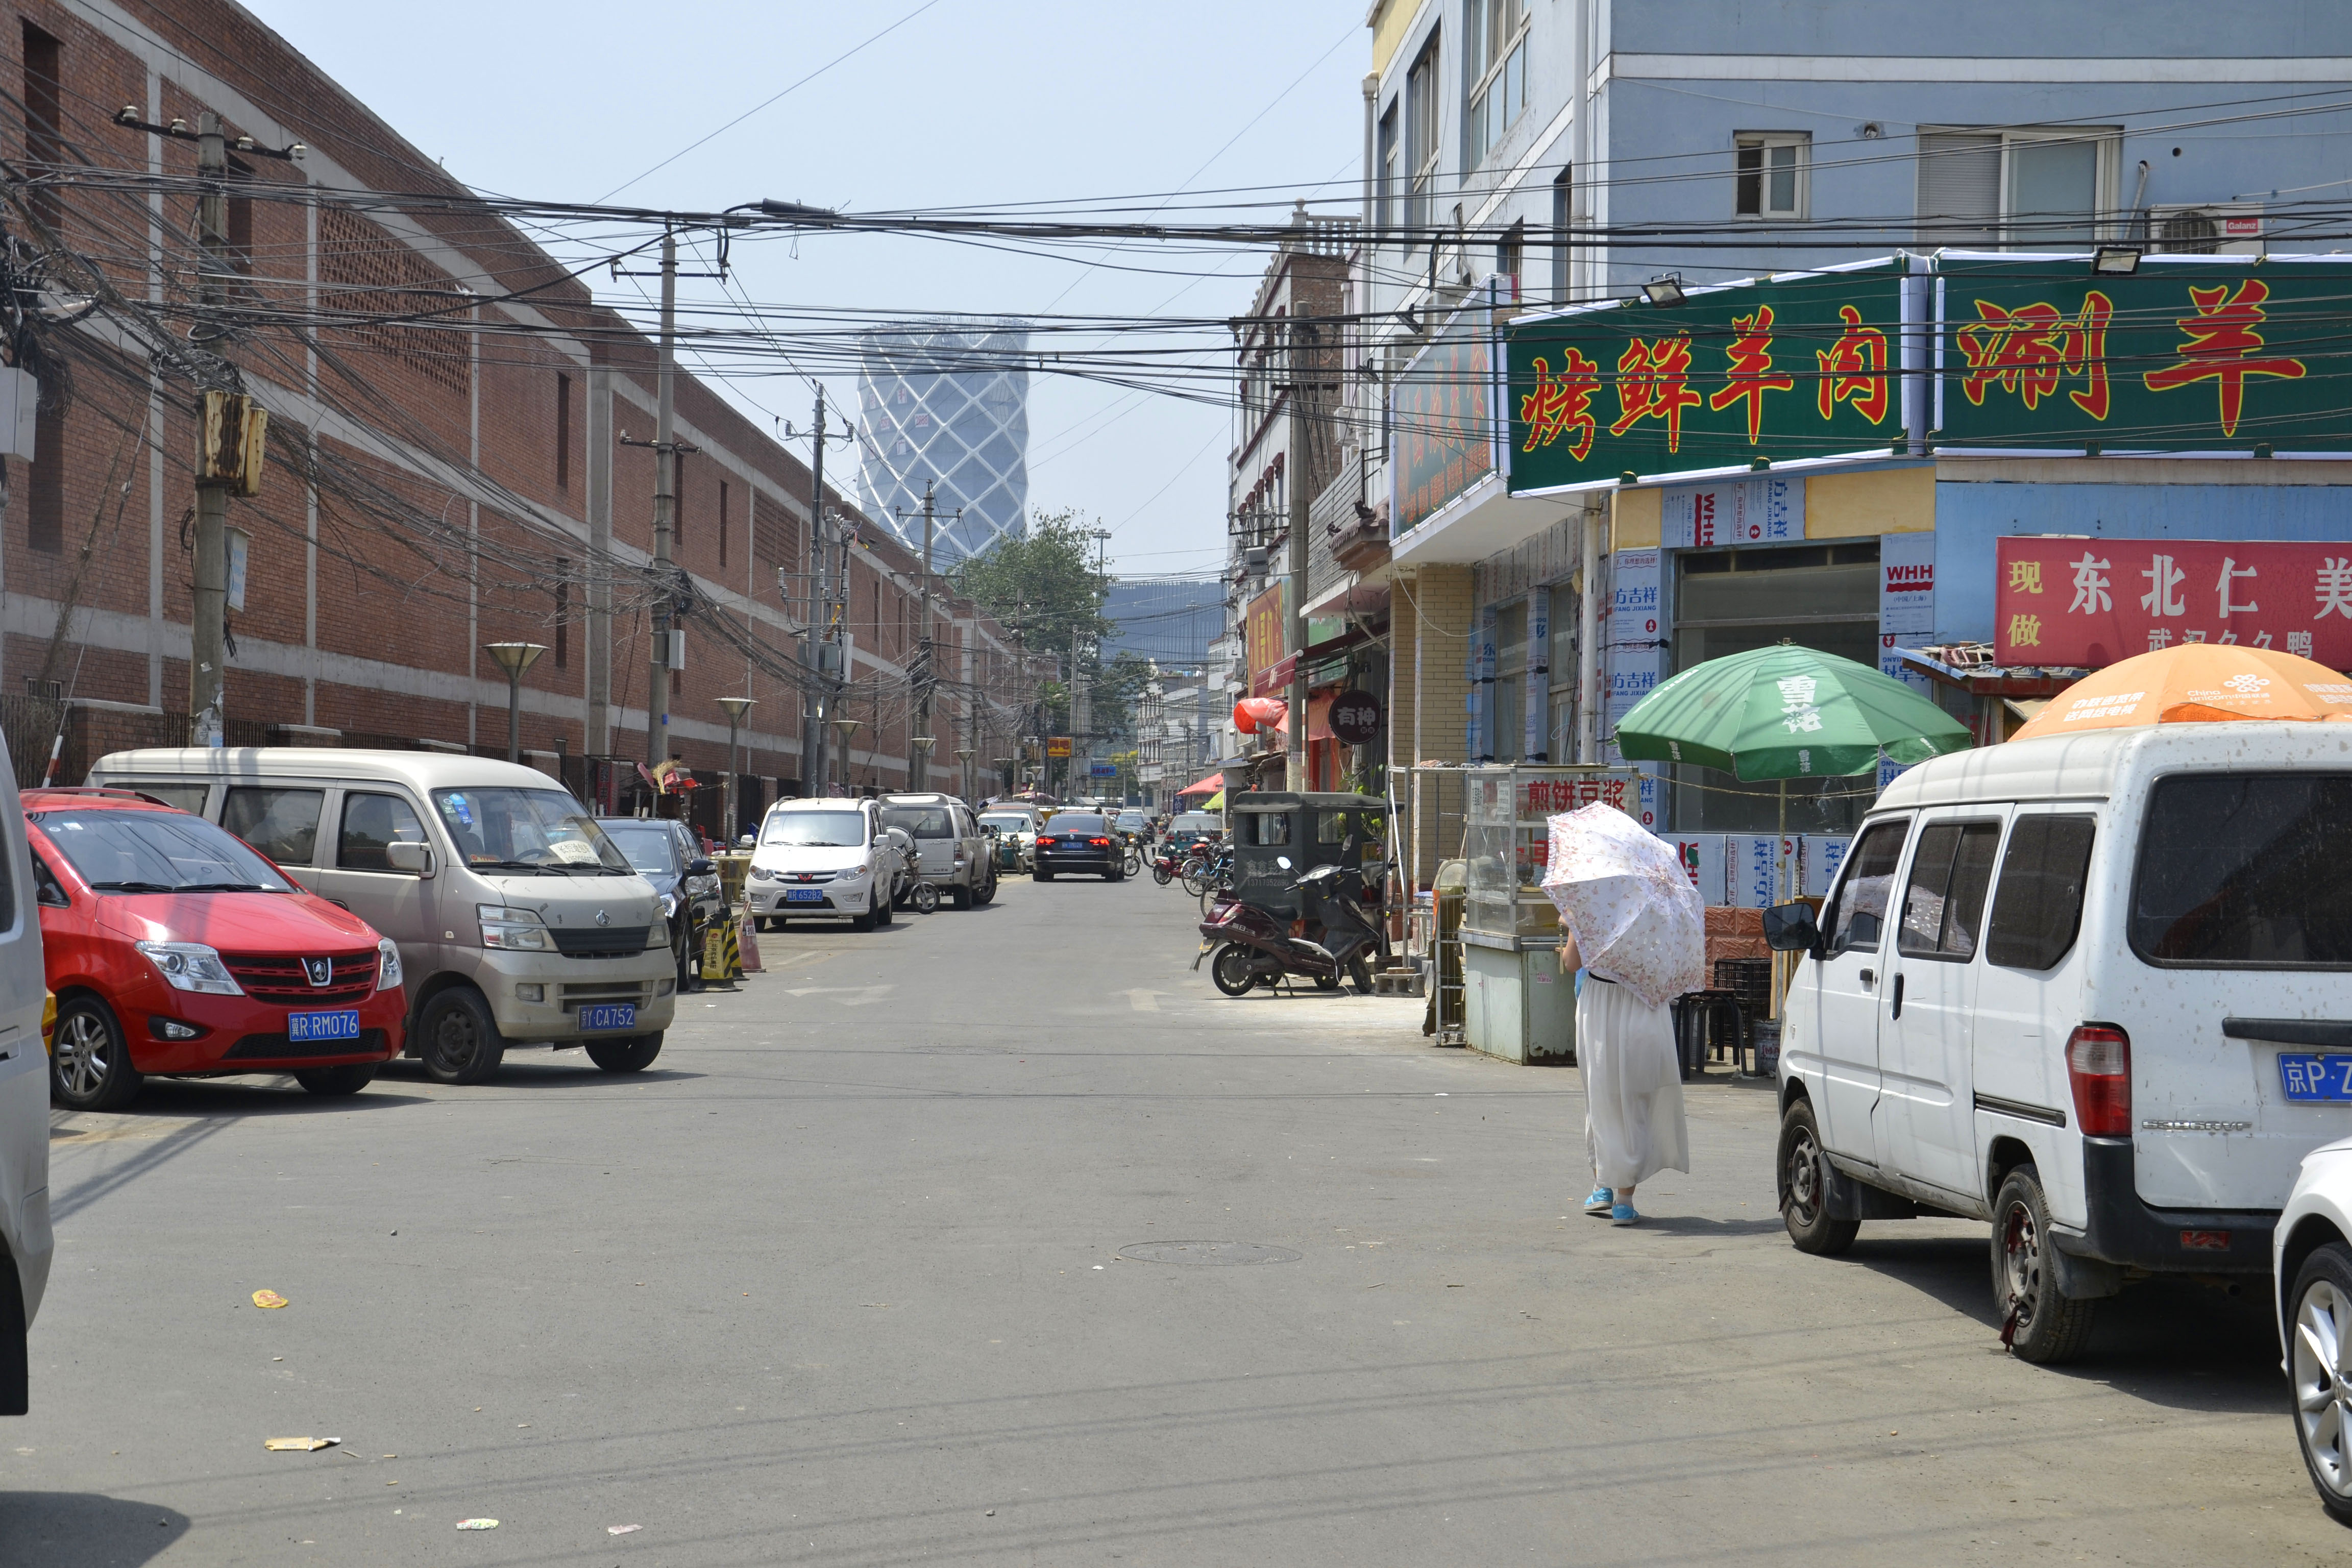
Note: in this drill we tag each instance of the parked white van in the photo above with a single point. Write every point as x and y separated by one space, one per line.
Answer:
24 1101
2096 989
519 922
826 856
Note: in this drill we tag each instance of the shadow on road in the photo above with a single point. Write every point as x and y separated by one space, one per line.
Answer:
539 1071
68 1530
2175 1342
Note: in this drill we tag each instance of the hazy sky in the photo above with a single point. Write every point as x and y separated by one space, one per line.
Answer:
970 102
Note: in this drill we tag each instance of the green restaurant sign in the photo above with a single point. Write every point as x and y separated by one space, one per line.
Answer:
1798 366
2228 354
2187 354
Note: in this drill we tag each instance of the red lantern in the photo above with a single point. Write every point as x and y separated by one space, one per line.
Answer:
1255 714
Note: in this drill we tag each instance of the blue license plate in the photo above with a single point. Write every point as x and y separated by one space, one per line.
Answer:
605 1016
2315 1078
803 895
344 1025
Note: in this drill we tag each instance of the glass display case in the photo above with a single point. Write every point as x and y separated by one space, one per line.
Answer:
1506 839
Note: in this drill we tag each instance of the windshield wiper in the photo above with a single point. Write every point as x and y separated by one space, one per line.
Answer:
137 887
511 866
226 888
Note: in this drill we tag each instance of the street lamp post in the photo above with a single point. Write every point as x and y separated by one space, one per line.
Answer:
964 756
514 657
735 706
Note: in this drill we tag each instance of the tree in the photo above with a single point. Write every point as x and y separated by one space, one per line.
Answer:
1043 586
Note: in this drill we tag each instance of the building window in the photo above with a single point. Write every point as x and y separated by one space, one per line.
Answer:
45 503
562 431
722 524
562 613
1563 192
1510 253
1495 58
1388 150
2027 189
44 120
1421 134
1773 169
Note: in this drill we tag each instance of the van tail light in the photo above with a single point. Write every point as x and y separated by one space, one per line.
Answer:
2099 1066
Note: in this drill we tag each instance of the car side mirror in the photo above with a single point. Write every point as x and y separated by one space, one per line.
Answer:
1790 928
404 855
701 868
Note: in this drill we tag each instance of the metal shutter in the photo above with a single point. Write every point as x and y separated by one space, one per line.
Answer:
1960 192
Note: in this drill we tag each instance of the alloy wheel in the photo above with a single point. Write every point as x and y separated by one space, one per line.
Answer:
2321 1396
82 1045
2021 1251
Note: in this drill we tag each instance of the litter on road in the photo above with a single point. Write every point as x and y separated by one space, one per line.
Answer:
298 1445
477 1524
621 1529
267 1298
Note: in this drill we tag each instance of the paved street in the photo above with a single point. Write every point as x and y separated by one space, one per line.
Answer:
840 1281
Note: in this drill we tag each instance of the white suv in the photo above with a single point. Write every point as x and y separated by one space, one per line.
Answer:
950 851
2096 989
822 856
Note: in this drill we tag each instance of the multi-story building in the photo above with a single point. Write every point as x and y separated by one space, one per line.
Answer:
1527 159
457 450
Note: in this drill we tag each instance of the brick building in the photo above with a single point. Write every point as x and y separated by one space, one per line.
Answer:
446 468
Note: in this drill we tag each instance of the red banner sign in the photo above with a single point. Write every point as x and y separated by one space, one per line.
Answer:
2095 602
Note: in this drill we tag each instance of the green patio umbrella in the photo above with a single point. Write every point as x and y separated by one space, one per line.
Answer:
1786 712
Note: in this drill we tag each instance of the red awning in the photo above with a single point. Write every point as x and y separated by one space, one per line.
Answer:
1318 718
1209 786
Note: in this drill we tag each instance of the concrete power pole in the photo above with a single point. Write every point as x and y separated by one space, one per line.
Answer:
208 656
1300 470
814 751
665 507
925 677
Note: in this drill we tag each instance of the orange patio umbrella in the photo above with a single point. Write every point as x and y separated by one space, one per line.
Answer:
2196 683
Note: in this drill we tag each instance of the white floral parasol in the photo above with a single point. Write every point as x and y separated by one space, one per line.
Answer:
1624 896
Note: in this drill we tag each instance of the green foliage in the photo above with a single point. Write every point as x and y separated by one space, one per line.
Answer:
1043 586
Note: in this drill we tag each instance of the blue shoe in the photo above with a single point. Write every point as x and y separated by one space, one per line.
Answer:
1622 1214
1600 1202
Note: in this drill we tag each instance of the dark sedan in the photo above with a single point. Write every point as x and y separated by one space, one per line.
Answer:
1078 842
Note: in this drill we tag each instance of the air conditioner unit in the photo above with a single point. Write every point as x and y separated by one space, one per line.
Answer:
2215 228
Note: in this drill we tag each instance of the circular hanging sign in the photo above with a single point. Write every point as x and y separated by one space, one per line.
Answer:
1355 718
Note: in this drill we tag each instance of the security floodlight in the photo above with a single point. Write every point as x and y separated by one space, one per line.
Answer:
1667 288
2116 260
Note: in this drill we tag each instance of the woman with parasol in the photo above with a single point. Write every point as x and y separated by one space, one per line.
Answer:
1630 920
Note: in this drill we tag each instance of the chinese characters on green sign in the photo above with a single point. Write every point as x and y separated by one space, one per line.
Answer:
1798 366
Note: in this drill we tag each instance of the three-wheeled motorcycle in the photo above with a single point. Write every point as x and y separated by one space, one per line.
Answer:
1309 871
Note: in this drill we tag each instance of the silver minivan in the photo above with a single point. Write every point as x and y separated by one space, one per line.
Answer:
2096 989
519 922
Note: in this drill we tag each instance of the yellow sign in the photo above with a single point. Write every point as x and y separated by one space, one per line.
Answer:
1057 745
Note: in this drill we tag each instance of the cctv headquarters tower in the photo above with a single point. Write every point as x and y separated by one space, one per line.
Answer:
948 406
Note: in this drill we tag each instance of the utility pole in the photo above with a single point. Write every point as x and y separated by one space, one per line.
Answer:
924 652
208 655
1299 470
821 629
665 507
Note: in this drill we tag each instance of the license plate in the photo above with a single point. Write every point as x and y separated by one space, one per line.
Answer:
344 1025
2315 1078
609 1015
803 895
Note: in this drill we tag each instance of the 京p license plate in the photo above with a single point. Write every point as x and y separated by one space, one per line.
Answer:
340 1024
803 895
2315 1078
605 1016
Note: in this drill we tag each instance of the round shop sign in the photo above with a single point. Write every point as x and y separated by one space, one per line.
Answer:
1355 718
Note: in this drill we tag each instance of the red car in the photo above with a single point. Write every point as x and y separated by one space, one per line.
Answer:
174 947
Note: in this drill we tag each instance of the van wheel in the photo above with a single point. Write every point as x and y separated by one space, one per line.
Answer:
632 1054
2039 1324
1804 1173
862 922
89 1065
986 890
885 911
2320 1365
337 1080
460 1040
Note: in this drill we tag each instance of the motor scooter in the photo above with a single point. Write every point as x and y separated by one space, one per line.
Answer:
1252 947
1165 866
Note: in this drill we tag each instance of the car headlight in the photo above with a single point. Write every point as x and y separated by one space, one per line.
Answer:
191 966
387 965
504 926
762 874
856 872
669 906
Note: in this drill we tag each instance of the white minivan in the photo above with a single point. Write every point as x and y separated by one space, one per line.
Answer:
2096 989
828 855
519 922
24 1101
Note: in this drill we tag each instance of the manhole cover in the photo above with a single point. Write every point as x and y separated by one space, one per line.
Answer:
1215 1253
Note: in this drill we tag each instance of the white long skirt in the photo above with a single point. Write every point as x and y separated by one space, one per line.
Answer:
1633 1125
